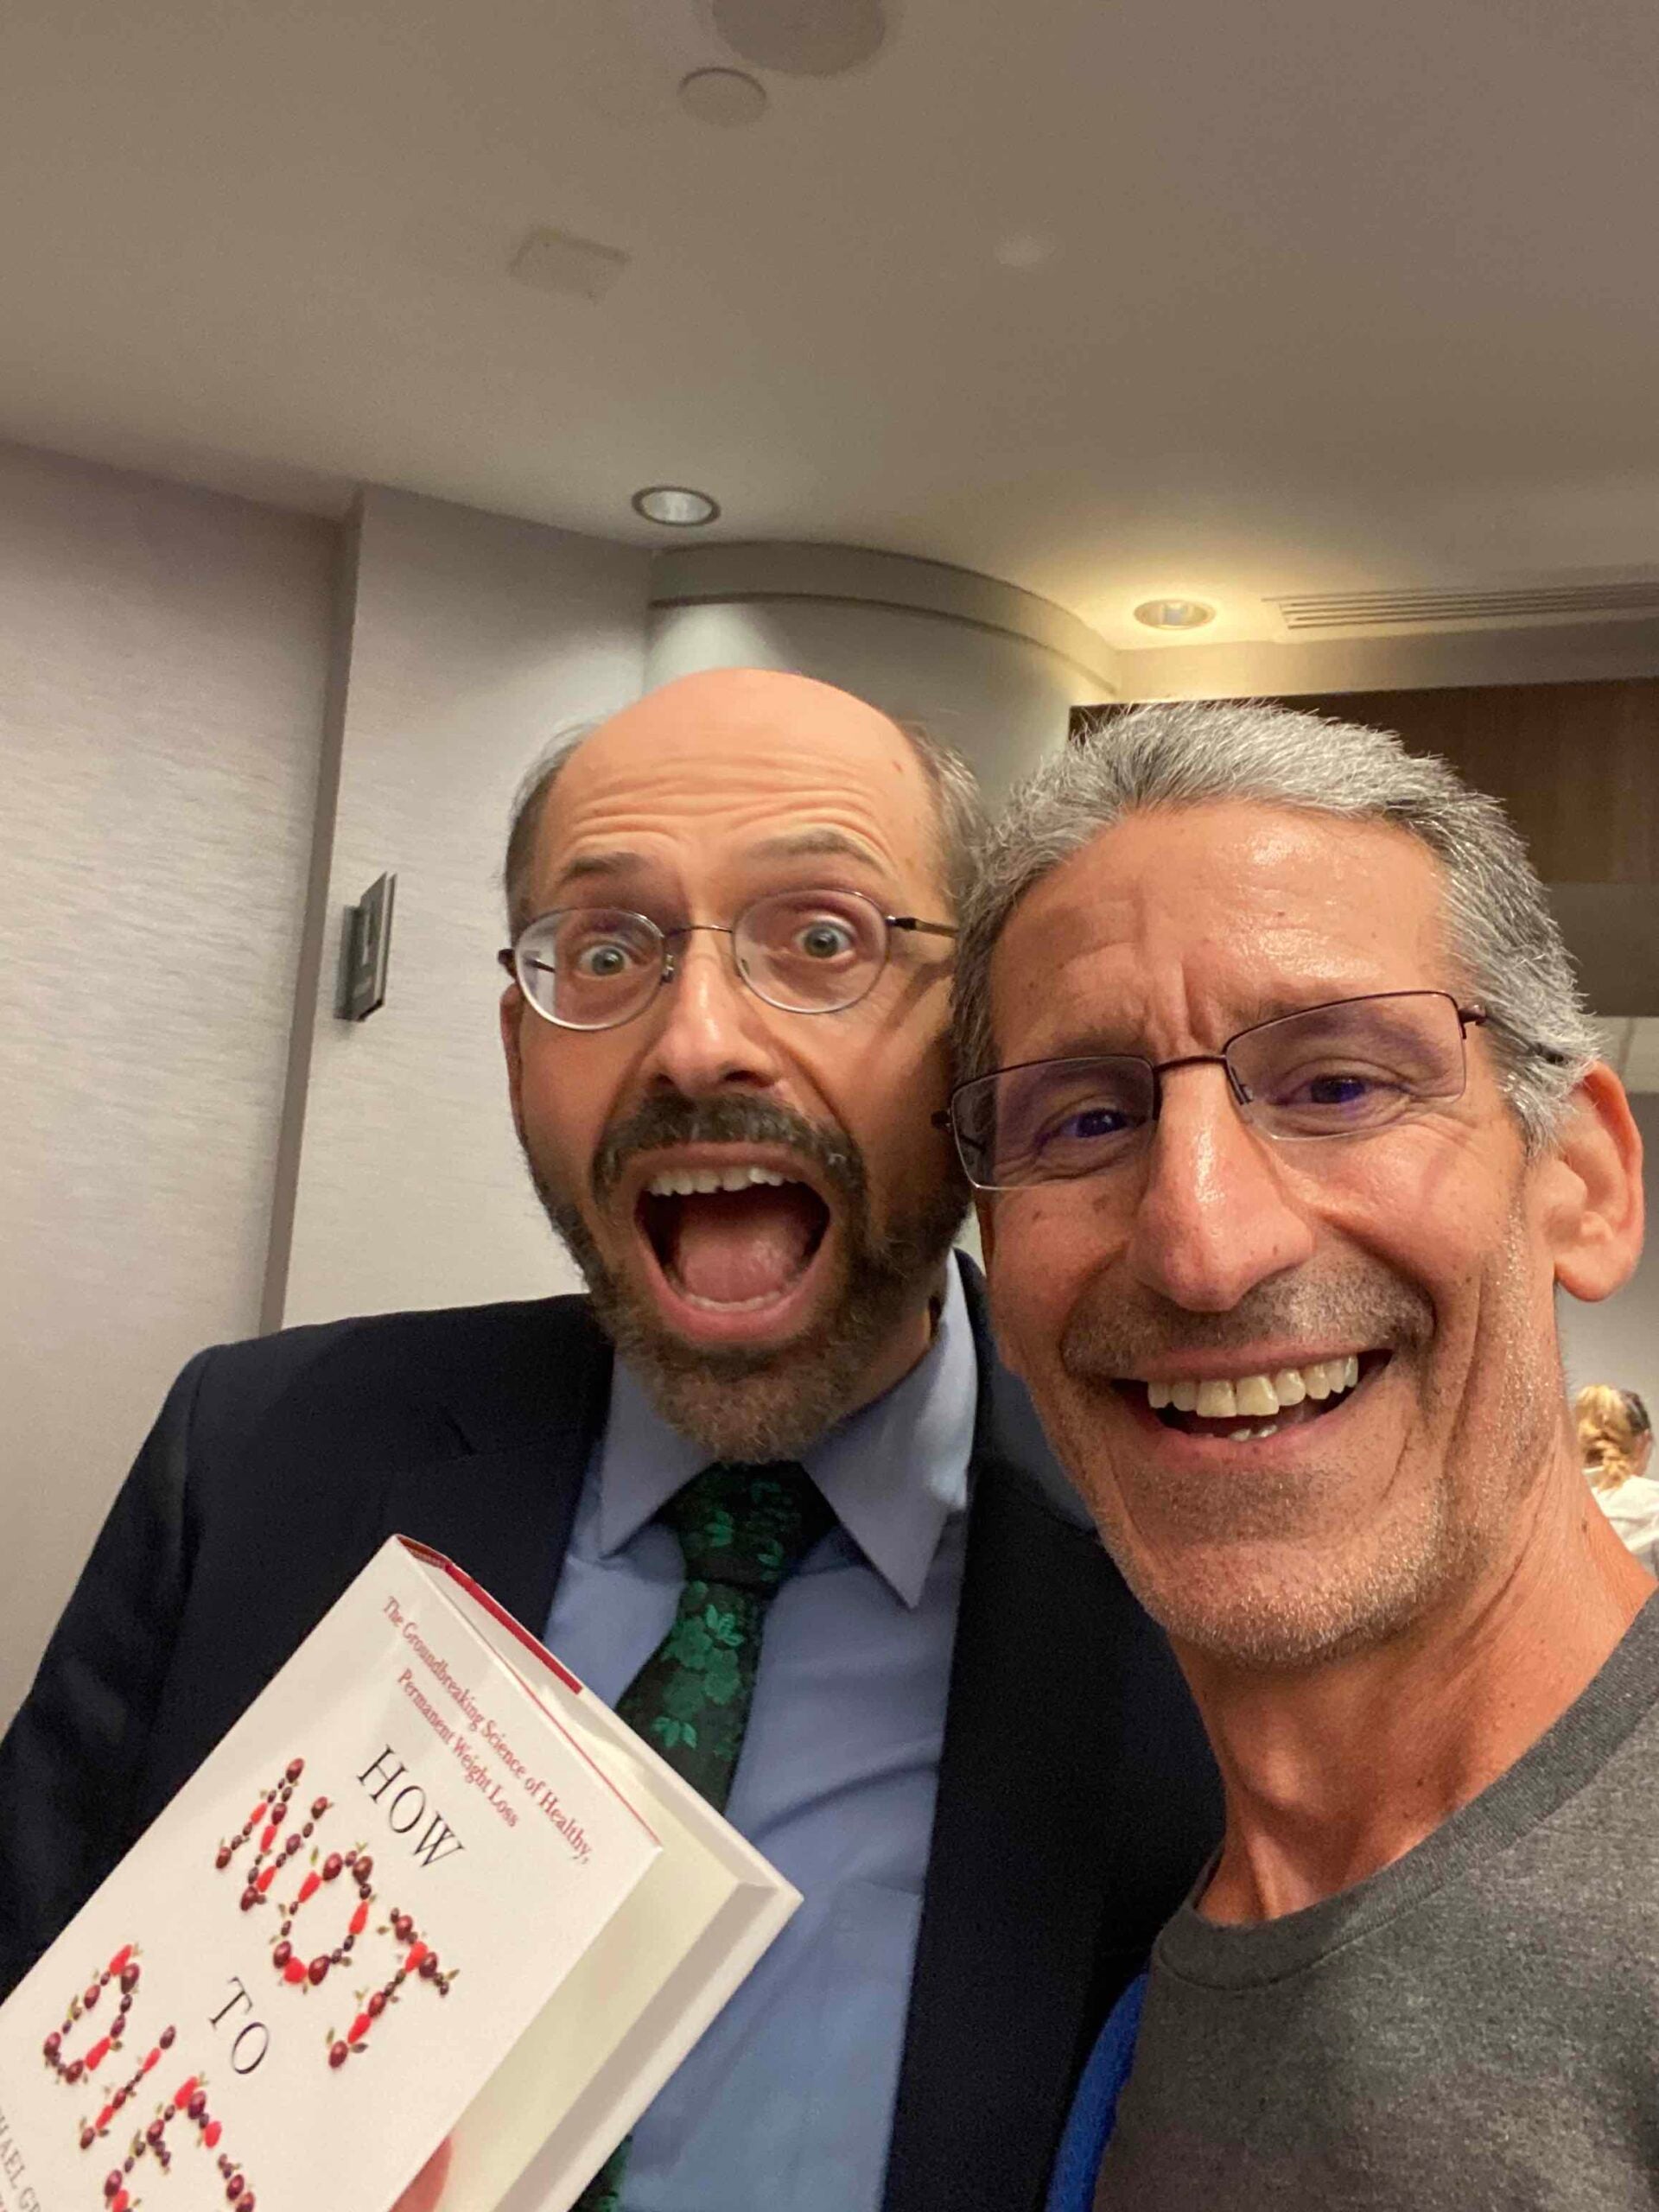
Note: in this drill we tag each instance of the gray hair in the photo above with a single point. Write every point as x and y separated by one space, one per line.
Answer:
958 813
1501 933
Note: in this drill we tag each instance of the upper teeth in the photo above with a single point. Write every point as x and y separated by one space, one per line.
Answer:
1257 1393
698 1182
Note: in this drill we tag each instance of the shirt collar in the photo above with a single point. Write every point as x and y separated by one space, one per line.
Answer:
894 1472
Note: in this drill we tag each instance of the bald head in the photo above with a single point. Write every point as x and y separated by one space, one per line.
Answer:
770 734
759 1312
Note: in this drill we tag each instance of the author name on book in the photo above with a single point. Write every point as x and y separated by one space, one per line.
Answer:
15 2193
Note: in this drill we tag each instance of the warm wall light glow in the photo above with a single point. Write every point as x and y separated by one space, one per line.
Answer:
676 505
1174 613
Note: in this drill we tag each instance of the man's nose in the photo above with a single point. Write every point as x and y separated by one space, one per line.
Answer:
1215 1217
712 1031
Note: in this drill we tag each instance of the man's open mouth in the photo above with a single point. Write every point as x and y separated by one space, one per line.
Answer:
732 1238
1246 1408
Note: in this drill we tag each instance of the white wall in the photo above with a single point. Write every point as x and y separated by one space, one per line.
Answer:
162 657
1001 702
473 640
993 668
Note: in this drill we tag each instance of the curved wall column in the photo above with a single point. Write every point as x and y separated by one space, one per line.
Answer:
993 668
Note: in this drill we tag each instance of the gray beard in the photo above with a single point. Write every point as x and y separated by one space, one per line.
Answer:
736 1403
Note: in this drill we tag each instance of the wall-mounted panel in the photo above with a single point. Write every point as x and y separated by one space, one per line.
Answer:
474 640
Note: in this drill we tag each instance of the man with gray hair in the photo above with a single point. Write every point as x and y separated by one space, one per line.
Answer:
1287 1127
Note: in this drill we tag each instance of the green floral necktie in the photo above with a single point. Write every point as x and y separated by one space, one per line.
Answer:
743 1530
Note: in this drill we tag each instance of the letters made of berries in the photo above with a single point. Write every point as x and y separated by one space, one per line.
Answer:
102 2012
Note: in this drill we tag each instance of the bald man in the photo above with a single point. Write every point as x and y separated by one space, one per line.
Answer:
725 1022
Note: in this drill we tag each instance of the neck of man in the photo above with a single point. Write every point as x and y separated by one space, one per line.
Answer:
906 1346
1333 1771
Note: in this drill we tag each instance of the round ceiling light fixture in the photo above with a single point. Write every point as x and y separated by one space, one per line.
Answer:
802 38
730 99
676 505
1174 613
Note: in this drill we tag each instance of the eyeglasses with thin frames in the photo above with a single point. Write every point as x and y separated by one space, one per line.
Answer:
1350 1068
806 952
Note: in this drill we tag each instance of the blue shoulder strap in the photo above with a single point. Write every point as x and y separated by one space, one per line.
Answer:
1089 2129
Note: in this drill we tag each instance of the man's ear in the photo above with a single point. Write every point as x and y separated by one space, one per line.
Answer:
511 1011
1595 1218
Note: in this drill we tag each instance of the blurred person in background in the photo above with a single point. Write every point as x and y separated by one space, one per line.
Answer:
1616 1444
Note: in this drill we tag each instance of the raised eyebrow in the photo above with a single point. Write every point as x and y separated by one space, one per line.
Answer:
585 867
815 844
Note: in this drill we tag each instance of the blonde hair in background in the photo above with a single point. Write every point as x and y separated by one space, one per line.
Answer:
1615 1434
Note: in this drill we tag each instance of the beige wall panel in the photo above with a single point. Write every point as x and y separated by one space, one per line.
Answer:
1002 701
162 657
1576 765
474 640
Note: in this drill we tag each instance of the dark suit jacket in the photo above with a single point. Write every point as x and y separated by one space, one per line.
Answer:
1075 1798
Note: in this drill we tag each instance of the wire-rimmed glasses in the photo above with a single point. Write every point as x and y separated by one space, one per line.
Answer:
808 951
1348 1069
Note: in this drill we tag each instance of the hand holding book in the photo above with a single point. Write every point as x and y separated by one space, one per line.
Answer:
425 2192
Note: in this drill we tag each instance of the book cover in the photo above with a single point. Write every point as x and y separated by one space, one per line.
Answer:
427 1887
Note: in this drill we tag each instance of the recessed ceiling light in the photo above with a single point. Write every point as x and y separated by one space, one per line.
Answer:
727 97
1174 613
676 505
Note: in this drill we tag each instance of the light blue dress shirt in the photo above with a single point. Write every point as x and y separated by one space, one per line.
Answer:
786 2103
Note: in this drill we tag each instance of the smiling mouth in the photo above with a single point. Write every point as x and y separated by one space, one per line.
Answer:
735 1238
1244 1409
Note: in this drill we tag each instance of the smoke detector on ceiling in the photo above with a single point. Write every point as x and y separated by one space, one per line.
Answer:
801 38
554 261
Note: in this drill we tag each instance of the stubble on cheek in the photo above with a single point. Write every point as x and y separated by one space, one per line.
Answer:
1260 1565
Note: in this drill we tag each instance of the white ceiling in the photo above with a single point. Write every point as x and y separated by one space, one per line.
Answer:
1317 296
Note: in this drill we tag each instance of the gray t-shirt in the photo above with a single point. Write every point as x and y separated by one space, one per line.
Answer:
1476 2026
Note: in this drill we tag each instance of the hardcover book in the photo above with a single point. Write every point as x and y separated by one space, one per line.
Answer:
427 1887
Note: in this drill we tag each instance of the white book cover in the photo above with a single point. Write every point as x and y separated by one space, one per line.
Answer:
427 1887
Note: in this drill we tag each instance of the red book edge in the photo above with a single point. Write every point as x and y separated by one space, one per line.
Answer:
499 1612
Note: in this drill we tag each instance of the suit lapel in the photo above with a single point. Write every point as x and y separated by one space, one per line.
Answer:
1075 1804
527 1417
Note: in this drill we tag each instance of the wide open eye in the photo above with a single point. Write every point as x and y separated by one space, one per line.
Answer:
812 950
825 939
589 965
604 961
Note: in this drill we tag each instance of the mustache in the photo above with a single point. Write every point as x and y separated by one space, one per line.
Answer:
1112 1335
730 1118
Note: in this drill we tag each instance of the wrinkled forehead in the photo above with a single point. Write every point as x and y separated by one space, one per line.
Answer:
690 787
1215 915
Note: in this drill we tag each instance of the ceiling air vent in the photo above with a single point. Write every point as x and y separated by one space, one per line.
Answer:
1332 613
